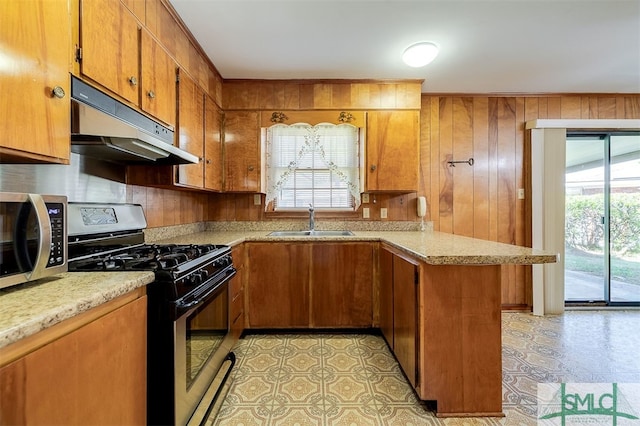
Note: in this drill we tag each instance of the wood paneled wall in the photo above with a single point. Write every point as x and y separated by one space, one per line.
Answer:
317 94
481 201
240 207
166 207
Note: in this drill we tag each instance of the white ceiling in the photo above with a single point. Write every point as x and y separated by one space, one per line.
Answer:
494 46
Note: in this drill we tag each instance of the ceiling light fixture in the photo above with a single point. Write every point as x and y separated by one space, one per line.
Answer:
420 54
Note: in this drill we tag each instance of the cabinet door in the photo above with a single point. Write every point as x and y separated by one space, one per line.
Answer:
191 130
137 7
236 294
405 315
342 285
158 96
386 295
393 148
212 145
35 59
94 375
278 285
241 151
109 41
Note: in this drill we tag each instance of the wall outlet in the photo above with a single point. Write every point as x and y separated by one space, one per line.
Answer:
365 198
365 213
383 213
520 193
257 199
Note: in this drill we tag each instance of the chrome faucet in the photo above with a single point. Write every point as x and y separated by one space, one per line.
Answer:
312 218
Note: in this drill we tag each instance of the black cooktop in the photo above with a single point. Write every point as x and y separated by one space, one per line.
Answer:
148 257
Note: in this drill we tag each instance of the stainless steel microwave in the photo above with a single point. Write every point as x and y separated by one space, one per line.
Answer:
33 237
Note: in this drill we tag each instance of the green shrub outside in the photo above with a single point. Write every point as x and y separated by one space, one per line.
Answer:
583 223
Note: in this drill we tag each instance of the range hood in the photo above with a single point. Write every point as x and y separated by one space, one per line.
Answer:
104 128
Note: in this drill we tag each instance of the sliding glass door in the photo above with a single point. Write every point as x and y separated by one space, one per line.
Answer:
602 218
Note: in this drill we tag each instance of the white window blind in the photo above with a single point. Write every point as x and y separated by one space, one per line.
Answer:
313 165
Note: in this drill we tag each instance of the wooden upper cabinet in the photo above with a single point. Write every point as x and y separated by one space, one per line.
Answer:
138 8
212 145
36 45
158 83
190 130
393 150
241 151
109 42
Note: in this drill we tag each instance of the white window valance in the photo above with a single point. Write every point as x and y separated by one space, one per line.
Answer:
293 149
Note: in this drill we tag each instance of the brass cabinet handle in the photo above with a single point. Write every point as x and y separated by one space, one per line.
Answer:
58 92
373 168
151 94
133 81
250 168
208 161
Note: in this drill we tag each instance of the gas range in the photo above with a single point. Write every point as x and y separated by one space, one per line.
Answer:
109 237
189 340
181 267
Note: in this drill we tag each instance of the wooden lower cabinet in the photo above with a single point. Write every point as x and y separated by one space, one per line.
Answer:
399 279
310 285
342 285
460 352
96 374
278 285
385 271
405 316
442 323
236 294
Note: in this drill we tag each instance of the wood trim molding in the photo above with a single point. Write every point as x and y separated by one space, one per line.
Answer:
579 124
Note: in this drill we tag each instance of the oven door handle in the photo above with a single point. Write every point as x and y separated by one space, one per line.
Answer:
182 308
187 306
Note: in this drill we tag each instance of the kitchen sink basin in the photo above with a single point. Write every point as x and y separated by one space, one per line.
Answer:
310 233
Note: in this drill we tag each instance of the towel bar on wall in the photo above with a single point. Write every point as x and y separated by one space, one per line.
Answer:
453 163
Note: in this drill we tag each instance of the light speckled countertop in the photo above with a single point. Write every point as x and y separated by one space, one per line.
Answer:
29 308
436 248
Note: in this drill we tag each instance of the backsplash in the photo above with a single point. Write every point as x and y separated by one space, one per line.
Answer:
160 233
323 225
83 180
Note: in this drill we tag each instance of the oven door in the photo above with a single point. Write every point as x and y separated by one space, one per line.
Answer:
202 342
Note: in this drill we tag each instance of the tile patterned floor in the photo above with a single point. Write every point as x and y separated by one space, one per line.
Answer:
353 380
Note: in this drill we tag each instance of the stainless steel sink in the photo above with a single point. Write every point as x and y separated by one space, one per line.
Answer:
310 233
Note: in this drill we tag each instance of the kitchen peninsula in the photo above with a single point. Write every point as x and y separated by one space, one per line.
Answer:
435 296
445 329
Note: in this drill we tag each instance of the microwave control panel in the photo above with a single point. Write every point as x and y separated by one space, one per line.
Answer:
56 217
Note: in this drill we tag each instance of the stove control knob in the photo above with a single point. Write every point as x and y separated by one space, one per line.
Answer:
195 278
